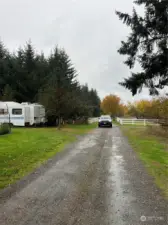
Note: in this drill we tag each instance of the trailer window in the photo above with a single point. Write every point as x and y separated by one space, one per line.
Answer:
3 111
17 111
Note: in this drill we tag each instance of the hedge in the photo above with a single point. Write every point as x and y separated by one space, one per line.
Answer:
4 128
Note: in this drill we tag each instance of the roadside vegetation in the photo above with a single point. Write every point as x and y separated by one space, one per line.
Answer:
27 148
4 128
151 145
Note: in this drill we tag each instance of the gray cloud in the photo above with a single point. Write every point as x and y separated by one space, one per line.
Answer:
89 31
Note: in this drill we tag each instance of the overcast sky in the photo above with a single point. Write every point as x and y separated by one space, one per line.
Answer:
89 31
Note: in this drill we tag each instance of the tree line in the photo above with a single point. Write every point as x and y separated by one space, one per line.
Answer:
27 76
156 108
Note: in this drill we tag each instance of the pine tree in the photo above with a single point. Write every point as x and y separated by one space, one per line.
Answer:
147 44
29 56
3 66
94 102
8 94
58 93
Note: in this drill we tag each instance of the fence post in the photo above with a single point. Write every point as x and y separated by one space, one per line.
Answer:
121 121
132 121
144 122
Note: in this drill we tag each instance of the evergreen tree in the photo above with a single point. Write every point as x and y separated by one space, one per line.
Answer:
3 66
95 103
29 58
8 94
58 93
147 44
30 70
29 77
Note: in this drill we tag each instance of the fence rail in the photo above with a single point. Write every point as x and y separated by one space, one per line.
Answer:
134 121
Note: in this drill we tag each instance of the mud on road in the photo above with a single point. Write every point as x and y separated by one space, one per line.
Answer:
96 181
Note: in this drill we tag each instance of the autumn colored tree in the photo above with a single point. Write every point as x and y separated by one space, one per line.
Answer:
156 108
140 109
143 108
164 108
124 109
132 110
159 110
111 105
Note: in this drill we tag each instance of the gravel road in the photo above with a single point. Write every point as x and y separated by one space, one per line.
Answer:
96 181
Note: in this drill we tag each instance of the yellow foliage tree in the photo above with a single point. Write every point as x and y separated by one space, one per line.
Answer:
111 105
163 109
143 108
157 108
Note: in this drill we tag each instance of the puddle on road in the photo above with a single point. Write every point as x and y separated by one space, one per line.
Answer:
88 142
118 197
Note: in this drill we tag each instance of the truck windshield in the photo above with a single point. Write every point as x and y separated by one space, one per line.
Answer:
105 117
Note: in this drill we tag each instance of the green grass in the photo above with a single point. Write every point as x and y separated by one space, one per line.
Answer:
27 148
80 129
115 122
153 151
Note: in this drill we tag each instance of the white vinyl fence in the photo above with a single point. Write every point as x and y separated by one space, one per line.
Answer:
134 121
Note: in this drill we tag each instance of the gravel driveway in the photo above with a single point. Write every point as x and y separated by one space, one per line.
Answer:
96 181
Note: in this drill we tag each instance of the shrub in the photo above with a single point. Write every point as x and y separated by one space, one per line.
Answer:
158 131
4 128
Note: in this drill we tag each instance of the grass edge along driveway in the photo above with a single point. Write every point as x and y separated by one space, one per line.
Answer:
27 148
153 151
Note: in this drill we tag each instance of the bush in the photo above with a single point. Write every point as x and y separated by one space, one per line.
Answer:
4 128
158 131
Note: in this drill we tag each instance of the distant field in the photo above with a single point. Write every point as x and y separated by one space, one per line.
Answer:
27 148
152 150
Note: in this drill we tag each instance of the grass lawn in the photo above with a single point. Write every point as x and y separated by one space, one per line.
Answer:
27 148
153 150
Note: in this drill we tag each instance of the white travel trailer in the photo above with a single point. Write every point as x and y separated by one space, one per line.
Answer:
34 114
24 114
4 114
14 115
